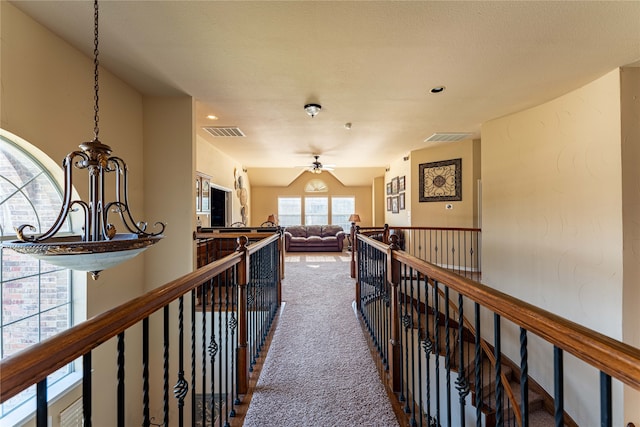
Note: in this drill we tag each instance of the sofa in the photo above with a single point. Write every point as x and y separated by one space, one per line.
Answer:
314 238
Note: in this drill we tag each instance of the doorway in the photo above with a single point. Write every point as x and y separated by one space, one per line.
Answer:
220 207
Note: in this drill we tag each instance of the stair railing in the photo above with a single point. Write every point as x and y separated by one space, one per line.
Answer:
239 296
452 248
386 295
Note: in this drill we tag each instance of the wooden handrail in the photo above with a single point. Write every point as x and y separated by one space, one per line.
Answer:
615 358
392 227
35 363
435 228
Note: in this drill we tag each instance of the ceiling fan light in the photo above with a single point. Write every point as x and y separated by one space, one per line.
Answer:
312 109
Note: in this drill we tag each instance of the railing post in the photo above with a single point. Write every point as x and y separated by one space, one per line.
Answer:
354 230
281 262
395 350
385 234
243 276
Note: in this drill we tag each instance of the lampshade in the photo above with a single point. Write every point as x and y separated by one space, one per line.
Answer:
272 218
354 218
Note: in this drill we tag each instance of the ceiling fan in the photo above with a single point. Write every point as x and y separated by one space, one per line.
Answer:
317 167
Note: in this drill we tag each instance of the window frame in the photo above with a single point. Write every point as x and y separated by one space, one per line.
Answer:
14 411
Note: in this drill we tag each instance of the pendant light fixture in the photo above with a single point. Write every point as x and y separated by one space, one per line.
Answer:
100 246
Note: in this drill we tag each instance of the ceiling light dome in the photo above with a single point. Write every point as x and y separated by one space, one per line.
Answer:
312 109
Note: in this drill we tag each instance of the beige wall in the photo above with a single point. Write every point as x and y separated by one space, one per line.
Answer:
169 143
630 105
220 167
265 199
552 216
434 214
399 168
378 202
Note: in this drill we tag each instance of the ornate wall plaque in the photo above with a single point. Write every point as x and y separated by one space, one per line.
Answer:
441 181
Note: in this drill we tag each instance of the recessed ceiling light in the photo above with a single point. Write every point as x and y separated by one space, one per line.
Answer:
212 117
437 89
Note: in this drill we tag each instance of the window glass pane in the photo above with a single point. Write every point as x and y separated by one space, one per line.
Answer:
54 321
15 265
54 289
289 211
27 193
19 335
341 210
17 400
316 210
20 300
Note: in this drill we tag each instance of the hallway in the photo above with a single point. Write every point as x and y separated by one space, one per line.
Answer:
318 371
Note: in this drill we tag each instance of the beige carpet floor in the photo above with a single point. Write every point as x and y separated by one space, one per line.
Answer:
319 371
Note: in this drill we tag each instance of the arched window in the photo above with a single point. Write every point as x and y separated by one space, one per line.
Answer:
35 297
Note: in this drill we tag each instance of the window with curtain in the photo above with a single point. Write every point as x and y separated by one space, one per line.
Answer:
289 211
35 297
341 210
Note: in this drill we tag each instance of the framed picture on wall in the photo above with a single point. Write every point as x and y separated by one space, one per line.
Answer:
394 185
401 184
394 205
401 201
389 204
440 181
388 188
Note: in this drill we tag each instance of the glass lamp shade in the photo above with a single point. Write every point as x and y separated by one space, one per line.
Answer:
354 218
73 253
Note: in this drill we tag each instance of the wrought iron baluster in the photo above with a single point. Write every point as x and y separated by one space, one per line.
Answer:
404 321
606 416
146 420
121 383
427 346
447 353
436 333
165 387
228 286
234 341
221 282
498 385
193 357
524 378
87 396
477 366
181 388
462 383
413 366
558 374
203 338
377 307
41 404
419 330
212 350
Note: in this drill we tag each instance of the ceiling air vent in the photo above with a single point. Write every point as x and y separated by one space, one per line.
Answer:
448 136
222 131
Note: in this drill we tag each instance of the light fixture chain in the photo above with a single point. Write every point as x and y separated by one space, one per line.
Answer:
96 87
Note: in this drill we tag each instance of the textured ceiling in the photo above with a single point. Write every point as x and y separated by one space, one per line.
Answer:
372 64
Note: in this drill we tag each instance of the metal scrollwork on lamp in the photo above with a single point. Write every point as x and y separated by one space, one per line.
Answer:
100 246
